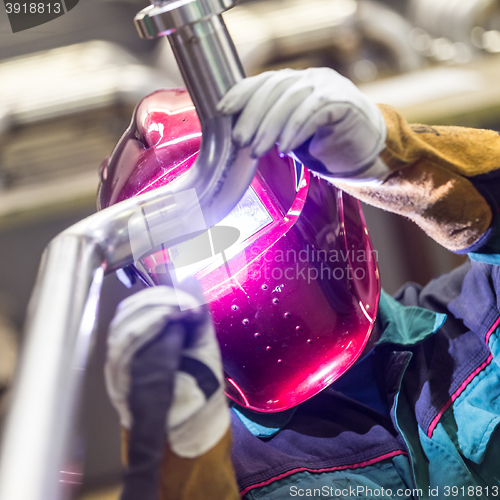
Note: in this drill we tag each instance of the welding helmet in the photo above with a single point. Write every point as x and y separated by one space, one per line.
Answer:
294 297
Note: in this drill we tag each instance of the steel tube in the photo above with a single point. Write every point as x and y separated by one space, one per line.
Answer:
39 424
205 44
64 303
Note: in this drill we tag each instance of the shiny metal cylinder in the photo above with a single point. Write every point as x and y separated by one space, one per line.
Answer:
39 425
208 61
164 17
64 303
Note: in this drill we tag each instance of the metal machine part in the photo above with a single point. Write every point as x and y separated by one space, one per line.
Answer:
451 19
70 79
363 40
382 25
62 312
453 30
54 134
266 32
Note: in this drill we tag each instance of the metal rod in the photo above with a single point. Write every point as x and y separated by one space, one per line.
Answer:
64 303
38 428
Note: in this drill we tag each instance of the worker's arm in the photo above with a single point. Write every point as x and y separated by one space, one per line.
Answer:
443 178
164 377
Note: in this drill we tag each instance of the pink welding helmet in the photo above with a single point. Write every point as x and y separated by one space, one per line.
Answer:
294 299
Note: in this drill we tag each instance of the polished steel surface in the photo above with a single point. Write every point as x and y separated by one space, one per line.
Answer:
64 303
162 18
205 49
39 424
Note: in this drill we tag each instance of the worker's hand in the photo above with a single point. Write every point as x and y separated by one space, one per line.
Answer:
315 113
164 363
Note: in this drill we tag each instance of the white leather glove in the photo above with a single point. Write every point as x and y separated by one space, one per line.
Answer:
289 107
144 339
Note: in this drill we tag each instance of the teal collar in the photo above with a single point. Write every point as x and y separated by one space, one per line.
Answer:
406 325
402 325
263 425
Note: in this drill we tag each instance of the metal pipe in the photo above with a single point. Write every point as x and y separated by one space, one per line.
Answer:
451 19
64 303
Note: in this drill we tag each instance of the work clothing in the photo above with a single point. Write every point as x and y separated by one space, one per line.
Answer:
418 415
417 420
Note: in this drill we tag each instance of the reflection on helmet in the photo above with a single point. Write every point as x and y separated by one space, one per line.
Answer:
290 274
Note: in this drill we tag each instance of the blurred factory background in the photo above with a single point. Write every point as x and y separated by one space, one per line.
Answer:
68 88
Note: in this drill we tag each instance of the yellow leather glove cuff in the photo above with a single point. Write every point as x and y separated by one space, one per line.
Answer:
209 476
429 182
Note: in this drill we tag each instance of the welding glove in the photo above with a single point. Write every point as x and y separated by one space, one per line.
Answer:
445 179
164 377
330 125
